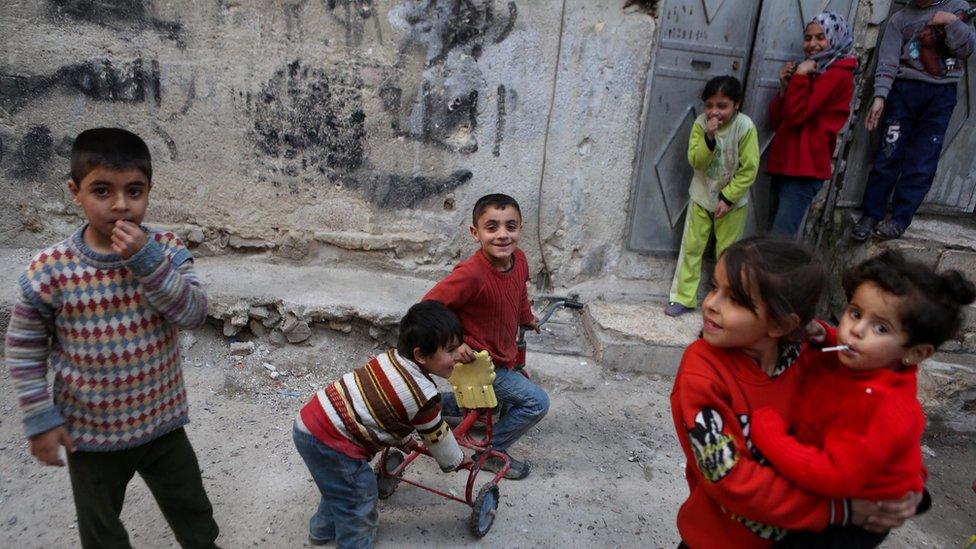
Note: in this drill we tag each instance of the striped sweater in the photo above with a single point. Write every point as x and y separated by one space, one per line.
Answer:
107 329
381 405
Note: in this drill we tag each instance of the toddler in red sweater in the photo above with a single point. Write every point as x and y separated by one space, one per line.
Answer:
487 292
751 355
855 425
813 104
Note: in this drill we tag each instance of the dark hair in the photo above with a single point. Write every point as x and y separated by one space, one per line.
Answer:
932 303
112 148
428 325
785 274
729 86
496 200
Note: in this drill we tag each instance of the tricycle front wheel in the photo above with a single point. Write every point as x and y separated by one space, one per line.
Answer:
483 510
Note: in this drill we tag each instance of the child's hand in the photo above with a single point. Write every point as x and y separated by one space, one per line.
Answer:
874 114
127 238
815 332
464 353
881 516
943 18
711 125
785 72
45 446
534 326
722 209
806 67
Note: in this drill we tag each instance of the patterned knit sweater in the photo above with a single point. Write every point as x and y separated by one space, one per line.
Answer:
107 329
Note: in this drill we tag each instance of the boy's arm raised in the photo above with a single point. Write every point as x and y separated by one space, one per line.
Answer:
437 436
712 438
169 283
961 38
807 95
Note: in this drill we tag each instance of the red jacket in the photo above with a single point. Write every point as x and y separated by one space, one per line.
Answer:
853 434
490 304
737 499
807 120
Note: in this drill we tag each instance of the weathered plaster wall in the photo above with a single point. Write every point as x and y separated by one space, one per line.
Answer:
326 130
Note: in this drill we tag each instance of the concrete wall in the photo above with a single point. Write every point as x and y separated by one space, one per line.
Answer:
338 130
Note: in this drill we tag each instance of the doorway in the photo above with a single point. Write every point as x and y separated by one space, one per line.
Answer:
698 40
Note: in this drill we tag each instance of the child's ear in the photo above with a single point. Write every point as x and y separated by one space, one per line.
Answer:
73 190
785 326
474 232
418 356
918 353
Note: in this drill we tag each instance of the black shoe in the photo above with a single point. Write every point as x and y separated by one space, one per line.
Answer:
517 470
862 229
887 230
319 542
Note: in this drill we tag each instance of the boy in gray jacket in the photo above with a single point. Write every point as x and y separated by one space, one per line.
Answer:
917 105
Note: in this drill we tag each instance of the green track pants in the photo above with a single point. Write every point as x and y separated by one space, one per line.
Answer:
699 224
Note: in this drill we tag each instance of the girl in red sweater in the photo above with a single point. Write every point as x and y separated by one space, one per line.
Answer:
750 356
813 104
856 425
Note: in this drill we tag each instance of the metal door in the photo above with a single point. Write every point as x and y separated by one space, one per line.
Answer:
698 40
779 38
953 188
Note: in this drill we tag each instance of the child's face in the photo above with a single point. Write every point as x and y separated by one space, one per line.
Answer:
498 232
441 362
814 40
720 106
726 323
108 195
871 327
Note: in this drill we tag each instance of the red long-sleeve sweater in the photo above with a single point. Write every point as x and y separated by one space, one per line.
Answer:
737 499
854 434
807 120
491 304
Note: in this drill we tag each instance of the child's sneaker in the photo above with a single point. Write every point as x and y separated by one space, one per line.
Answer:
676 309
862 229
316 542
887 230
516 471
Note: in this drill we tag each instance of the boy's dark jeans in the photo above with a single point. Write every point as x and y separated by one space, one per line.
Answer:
170 469
916 116
789 199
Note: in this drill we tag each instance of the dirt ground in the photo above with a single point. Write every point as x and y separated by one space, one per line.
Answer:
607 469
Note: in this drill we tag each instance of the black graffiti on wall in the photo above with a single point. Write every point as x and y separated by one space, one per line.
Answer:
309 118
355 16
398 191
100 79
118 14
31 155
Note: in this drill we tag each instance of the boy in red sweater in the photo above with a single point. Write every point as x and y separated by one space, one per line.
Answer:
856 424
487 292
813 104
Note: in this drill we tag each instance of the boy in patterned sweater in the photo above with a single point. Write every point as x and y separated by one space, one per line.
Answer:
102 310
373 407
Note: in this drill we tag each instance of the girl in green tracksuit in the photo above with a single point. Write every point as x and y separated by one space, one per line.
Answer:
724 151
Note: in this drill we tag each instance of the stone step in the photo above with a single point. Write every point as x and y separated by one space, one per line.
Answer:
639 337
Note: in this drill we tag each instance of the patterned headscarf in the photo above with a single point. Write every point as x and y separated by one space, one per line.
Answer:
839 36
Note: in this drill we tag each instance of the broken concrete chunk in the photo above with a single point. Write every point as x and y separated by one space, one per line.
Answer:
242 348
273 319
195 236
259 312
340 326
257 328
299 332
277 338
230 329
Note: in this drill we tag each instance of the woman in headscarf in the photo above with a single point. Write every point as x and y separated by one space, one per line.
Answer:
813 104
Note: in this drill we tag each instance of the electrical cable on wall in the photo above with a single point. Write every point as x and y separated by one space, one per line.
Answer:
544 280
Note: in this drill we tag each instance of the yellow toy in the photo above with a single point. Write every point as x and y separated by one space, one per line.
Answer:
473 382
